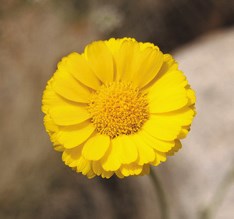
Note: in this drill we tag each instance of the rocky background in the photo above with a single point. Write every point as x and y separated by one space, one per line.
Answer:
35 34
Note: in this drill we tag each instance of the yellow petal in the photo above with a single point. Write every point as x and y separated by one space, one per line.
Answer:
52 130
183 132
73 136
69 115
162 128
126 60
79 68
169 86
71 156
98 170
83 166
107 174
131 169
160 157
147 45
68 87
145 153
192 96
66 158
149 63
49 124
183 117
100 60
90 174
168 100
50 98
119 174
62 111
117 50
169 64
59 148
128 149
53 138
137 62
176 148
96 147
114 46
170 79
111 160
157 144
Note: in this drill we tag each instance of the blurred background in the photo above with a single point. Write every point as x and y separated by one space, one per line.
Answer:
35 34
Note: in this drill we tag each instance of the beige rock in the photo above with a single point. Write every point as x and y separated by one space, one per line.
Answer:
203 171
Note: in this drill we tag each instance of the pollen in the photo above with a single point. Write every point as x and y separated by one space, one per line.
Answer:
118 108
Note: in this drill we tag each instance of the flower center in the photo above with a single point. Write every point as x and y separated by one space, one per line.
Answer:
118 108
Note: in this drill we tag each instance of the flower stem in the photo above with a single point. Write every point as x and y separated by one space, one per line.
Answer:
161 195
219 195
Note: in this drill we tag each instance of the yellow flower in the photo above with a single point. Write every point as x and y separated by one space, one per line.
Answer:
117 108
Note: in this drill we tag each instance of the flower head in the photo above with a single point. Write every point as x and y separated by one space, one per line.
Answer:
117 108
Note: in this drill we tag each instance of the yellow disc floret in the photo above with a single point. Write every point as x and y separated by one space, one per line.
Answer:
118 108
